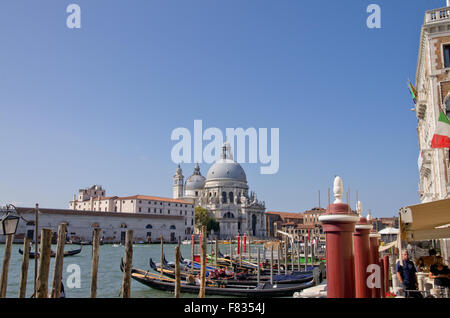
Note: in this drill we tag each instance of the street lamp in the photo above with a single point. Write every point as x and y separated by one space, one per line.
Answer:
9 220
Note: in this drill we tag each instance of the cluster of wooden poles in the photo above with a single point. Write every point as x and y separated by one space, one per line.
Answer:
242 248
41 288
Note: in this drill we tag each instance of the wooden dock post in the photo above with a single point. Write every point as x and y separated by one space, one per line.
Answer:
259 267
203 264
240 252
192 253
216 252
24 271
306 254
36 244
271 264
5 268
59 261
177 272
95 256
128 263
286 257
278 258
298 256
162 255
44 263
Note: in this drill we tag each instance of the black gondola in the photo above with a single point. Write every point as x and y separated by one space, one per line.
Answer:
53 254
263 290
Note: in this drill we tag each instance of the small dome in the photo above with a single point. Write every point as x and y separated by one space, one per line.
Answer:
196 181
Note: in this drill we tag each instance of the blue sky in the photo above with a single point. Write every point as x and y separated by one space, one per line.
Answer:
97 105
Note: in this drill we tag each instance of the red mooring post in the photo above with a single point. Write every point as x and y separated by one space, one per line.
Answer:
362 256
382 289
339 225
238 241
245 243
374 256
387 286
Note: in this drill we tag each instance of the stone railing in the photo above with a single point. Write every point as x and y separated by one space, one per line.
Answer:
437 15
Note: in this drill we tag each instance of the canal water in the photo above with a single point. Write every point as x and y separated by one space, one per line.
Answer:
109 273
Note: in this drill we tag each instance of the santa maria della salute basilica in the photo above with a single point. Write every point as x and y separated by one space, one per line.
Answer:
225 194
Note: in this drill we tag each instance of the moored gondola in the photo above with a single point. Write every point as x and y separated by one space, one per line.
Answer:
263 290
53 254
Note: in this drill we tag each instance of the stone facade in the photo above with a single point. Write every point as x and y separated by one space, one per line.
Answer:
433 89
93 199
80 224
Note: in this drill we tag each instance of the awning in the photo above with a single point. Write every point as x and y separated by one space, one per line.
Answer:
389 230
386 247
426 221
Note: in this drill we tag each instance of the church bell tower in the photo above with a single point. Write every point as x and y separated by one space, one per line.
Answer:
178 181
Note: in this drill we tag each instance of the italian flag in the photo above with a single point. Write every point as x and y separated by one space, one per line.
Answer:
441 137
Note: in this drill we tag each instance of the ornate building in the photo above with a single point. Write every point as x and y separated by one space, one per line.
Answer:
433 96
225 194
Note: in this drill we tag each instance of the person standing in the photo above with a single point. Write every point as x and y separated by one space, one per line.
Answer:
406 274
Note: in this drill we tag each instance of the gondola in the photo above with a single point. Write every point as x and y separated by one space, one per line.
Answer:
266 290
53 254
244 279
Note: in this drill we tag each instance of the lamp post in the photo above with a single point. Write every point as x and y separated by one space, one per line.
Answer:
9 221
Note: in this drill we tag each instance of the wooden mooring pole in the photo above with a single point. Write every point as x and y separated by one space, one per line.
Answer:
95 256
24 270
177 272
216 252
259 267
203 264
5 268
271 264
278 258
128 263
44 263
36 242
286 257
59 261
162 254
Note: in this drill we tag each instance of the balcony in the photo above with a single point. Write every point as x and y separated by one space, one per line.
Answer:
437 15
421 106
424 163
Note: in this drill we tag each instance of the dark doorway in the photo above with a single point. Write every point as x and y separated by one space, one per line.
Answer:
254 225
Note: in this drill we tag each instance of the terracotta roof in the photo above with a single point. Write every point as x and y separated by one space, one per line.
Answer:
139 197
94 213
305 226
287 214
147 197
316 210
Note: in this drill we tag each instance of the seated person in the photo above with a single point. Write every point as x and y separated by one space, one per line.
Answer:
420 265
440 273
190 280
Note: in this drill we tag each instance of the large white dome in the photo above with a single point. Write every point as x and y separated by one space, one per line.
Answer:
226 169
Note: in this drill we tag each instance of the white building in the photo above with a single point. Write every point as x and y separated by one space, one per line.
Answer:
433 96
433 88
147 227
93 199
225 194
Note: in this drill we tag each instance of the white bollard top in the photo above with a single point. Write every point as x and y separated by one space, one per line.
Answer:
359 208
338 189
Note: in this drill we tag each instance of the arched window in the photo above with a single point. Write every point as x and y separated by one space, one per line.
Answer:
224 197
231 196
228 215
95 224
172 227
123 226
148 226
